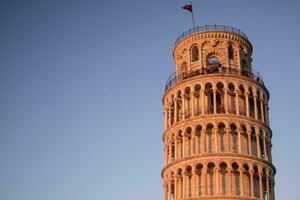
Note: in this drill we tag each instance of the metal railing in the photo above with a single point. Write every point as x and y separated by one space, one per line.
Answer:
211 28
173 79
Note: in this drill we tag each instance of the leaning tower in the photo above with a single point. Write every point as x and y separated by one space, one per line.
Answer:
217 139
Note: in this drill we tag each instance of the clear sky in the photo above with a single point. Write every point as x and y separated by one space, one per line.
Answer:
81 84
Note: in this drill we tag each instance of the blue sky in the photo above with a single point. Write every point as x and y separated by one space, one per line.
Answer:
81 85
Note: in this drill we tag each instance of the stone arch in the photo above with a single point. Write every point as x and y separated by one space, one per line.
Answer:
209 100
222 139
194 53
197 99
210 138
231 102
220 104
210 178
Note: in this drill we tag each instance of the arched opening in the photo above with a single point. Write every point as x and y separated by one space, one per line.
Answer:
172 107
251 103
172 150
210 178
256 182
231 99
261 145
221 132
253 142
198 136
188 141
209 98
183 69
234 138
259 104
223 173
172 186
245 68
187 97
244 140
235 179
242 101
210 138
180 144
180 183
247 180
213 63
188 172
220 98
197 100
264 108
195 53
198 172
230 52
264 183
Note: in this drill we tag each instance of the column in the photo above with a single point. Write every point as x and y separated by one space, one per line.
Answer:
203 133
184 146
237 102
229 180
260 184
215 100
241 182
262 110
165 191
251 182
193 144
273 186
266 112
226 101
204 177
265 146
194 184
247 103
249 142
165 113
196 139
175 187
184 184
176 148
267 185
202 100
183 105
269 148
258 145
175 109
170 152
228 139
239 141
169 190
268 116
215 131
165 155
191 178
255 105
193 104
170 115
217 179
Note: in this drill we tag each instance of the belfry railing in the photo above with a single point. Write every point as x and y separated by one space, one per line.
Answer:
211 28
174 79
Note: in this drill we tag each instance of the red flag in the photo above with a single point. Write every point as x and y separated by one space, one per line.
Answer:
188 7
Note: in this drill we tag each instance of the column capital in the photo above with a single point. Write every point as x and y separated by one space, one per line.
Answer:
249 132
241 170
251 171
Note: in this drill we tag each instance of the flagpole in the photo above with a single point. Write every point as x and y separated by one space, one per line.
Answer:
193 16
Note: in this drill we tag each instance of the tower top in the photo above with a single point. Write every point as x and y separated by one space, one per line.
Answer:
206 28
